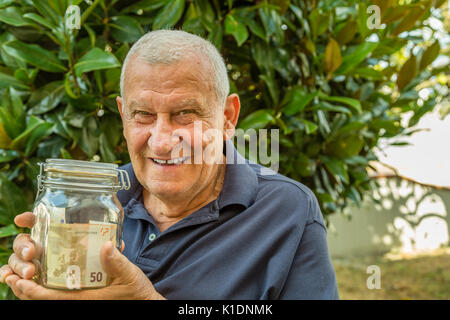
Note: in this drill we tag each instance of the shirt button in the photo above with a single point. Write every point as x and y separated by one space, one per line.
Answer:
152 236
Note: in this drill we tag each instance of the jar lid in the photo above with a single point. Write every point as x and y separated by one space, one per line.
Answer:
80 168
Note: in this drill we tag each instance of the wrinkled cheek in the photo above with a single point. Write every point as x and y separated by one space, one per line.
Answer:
137 139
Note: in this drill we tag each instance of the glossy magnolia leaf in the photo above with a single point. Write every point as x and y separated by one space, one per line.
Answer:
12 200
34 55
96 59
42 131
298 101
20 140
106 150
347 32
37 18
407 72
429 55
257 120
236 28
12 113
13 16
8 155
8 231
336 167
333 58
310 127
7 81
344 147
46 98
206 14
415 13
169 15
5 140
349 62
355 104
125 29
146 5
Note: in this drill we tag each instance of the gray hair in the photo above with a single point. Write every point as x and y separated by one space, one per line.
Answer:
171 46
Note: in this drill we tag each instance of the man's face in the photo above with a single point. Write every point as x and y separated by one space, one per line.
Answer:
162 106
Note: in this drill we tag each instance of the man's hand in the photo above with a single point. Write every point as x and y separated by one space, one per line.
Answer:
128 281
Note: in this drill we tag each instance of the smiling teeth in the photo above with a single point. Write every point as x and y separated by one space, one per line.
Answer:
170 161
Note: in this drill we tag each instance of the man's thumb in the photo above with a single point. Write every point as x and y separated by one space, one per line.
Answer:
113 262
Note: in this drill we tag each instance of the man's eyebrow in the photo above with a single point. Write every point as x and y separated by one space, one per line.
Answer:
188 103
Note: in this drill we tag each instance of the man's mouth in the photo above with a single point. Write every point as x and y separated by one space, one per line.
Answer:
170 162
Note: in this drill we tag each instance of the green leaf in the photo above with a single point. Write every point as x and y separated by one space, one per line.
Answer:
206 14
146 5
20 140
47 11
269 79
12 200
236 28
344 147
407 72
4 3
355 104
106 150
125 29
5 140
46 98
336 167
333 58
42 131
8 231
349 62
169 15
310 127
7 81
429 55
12 113
299 100
257 120
13 16
408 22
37 18
96 59
34 55
8 155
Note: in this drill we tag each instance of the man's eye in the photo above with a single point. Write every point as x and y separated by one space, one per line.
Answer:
185 112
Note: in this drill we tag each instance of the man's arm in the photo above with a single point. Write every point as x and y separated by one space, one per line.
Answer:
312 274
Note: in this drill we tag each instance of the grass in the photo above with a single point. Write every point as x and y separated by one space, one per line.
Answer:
417 278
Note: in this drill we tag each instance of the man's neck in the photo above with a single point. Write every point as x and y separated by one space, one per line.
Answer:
167 212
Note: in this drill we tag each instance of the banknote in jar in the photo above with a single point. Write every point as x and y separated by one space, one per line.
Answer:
73 254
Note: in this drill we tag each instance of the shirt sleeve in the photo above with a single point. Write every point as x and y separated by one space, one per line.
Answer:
312 275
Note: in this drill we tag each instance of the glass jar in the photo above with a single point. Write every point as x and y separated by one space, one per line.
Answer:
76 211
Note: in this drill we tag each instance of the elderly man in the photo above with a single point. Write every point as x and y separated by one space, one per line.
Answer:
195 229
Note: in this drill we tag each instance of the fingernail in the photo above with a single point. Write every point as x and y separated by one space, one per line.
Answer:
25 251
2 275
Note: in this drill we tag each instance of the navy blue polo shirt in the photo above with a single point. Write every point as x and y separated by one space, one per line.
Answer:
263 238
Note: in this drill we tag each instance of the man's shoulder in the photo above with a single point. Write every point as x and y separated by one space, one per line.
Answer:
294 196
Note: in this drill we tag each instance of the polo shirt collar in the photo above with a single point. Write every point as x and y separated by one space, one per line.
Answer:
240 184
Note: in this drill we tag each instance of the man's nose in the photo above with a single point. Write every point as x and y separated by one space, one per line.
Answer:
163 138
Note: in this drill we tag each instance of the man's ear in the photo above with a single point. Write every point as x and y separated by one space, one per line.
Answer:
231 113
120 105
